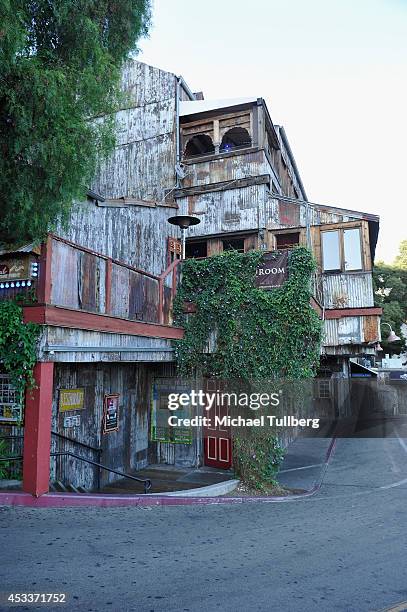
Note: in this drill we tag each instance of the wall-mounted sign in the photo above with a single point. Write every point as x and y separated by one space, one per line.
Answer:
71 399
111 413
15 268
11 408
72 421
272 270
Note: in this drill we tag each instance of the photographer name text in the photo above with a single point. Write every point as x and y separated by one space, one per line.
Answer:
239 421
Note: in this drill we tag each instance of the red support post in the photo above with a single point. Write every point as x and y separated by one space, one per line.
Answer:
37 431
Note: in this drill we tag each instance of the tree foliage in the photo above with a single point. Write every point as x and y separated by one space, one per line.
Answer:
390 282
59 69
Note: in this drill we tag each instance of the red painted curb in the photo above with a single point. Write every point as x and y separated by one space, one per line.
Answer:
62 500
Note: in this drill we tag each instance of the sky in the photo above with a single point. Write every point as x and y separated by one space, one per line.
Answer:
333 72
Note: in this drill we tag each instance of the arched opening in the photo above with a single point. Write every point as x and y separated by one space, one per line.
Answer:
235 138
201 144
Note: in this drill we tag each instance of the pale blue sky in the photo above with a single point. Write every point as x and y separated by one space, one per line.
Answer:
333 72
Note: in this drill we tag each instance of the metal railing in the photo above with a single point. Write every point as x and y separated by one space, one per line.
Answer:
96 449
16 446
145 481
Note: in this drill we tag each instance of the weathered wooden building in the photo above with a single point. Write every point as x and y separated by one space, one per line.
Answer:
106 282
242 181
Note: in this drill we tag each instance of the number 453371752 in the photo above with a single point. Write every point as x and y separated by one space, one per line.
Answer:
37 598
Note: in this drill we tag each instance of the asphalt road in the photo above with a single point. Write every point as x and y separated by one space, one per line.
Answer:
343 549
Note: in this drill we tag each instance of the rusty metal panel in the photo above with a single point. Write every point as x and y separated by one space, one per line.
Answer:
136 297
120 291
88 282
348 290
64 271
289 214
151 299
167 305
371 328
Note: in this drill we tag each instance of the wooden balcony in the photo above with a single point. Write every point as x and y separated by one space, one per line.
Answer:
80 288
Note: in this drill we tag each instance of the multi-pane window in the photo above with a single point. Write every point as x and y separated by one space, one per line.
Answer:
341 250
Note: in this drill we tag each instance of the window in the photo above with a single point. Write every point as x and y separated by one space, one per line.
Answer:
196 249
236 244
236 138
324 391
331 254
352 250
174 250
201 144
287 241
341 250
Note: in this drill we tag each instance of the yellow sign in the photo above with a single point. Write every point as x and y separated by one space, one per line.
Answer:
71 399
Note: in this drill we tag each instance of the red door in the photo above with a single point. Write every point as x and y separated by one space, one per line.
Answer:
217 438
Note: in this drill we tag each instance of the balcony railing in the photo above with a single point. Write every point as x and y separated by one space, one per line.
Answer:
75 277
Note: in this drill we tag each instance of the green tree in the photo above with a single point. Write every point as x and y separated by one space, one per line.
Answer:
60 66
401 259
390 282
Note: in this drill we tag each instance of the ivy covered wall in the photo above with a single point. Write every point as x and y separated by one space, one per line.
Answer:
260 334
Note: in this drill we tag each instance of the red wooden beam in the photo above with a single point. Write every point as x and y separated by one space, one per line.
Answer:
77 319
37 431
338 313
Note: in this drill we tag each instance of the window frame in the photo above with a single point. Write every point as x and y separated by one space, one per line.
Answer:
341 229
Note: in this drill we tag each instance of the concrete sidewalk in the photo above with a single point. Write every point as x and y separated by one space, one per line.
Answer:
304 463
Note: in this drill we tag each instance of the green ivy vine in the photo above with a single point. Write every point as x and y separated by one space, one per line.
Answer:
18 346
259 335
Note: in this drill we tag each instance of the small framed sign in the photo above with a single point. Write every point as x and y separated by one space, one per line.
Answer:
272 271
111 413
71 399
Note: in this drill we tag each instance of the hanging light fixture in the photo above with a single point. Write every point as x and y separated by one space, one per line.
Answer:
392 337
183 222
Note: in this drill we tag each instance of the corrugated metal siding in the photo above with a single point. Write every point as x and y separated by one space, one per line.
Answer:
74 345
144 84
142 166
135 235
227 211
348 290
226 169
143 169
345 331
143 163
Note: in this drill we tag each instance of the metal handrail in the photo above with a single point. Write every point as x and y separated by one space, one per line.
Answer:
97 449
146 481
